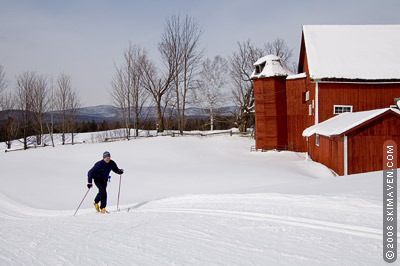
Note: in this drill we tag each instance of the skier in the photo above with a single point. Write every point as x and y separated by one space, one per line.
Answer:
100 174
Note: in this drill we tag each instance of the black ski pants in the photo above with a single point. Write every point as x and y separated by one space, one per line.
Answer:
101 184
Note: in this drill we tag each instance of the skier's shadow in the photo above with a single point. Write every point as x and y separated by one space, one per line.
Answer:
138 205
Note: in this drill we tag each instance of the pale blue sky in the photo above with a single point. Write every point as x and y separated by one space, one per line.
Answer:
86 38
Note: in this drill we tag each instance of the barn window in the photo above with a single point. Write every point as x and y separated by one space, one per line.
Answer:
305 96
316 140
338 109
309 110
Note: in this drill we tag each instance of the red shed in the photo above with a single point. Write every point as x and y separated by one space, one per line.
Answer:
352 143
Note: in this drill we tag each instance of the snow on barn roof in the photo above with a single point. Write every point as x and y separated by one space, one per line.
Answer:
297 76
269 66
341 123
367 52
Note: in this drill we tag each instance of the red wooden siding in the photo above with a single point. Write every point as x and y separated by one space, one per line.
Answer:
337 155
329 152
270 113
365 144
297 111
362 97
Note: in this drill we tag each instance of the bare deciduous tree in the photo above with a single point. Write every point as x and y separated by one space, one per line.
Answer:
138 93
3 83
12 124
67 102
39 101
241 64
63 88
31 100
26 83
127 92
74 104
51 108
7 105
210 85
168 108
182 39
279 48
120 97
157 81
241 67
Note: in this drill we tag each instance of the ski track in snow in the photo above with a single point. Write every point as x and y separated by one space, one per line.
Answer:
293 221
180 231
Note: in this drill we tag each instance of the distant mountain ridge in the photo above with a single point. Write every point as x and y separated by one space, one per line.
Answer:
111 113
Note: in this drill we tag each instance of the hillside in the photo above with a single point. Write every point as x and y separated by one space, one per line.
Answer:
187 201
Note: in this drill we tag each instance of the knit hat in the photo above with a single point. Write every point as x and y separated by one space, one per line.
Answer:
106 154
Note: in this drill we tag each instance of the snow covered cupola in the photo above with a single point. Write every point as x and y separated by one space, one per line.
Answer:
269 66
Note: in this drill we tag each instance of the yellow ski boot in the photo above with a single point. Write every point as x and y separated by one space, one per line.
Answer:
104 210
96 206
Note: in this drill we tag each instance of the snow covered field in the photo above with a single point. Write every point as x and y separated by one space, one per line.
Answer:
186 201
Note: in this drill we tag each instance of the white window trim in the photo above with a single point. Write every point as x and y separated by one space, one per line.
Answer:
338 105
316 140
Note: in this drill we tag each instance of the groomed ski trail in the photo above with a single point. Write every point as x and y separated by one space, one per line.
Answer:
291 221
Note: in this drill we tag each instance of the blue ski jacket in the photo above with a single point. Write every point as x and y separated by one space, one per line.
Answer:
101 169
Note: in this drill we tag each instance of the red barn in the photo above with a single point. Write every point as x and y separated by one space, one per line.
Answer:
341 69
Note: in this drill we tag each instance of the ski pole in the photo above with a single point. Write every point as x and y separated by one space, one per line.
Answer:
82 201
119 190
